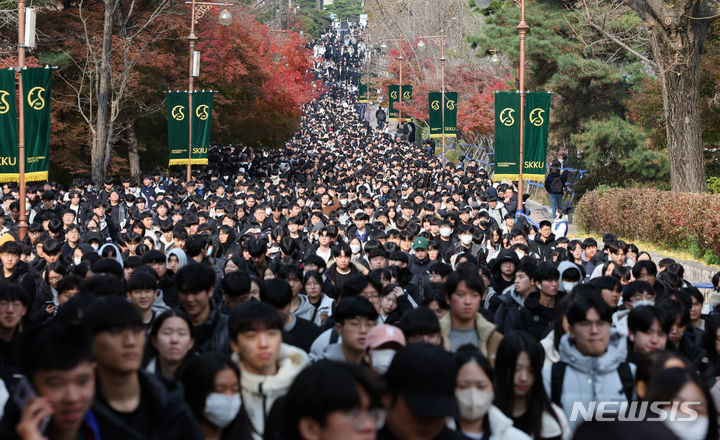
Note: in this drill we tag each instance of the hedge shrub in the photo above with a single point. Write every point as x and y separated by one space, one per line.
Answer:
671 219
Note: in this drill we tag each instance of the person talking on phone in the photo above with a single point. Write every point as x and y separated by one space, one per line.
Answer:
53 399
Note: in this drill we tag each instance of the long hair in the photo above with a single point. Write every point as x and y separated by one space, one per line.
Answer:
537 400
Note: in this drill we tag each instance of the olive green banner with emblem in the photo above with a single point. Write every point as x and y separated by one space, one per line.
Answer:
362 89
36 107
507 135
394 96
537 123
436 118
178 129
8 127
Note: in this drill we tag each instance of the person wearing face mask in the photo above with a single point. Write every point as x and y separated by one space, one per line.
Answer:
465 243
570 276
696 416
381 344
212 391
474 392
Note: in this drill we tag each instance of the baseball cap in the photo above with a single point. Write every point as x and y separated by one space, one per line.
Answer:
420 243
383 334
424 375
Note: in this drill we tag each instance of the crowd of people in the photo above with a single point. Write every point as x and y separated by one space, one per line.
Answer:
346 286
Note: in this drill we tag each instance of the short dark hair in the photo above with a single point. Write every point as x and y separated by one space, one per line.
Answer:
649 266
141 280
277 293
354 307
251 316
235 284
342 247
419 322
634 287
11 247
545 272
106 314
56 345
472 280
641 318
324 387
194 277
577 312
13 292
608 283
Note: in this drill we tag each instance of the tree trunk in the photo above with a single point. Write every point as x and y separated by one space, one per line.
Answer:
677 54
100 142
133 155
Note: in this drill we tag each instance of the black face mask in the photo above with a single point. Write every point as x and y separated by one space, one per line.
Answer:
484 224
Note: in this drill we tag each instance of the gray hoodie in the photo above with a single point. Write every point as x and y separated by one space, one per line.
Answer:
590 379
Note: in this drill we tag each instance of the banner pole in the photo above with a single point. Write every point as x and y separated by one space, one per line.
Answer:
191 38
523 30
442 80
400 87
22 221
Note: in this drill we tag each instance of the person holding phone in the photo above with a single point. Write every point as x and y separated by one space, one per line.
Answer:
53 399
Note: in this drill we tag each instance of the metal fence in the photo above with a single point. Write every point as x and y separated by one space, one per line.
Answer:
484 154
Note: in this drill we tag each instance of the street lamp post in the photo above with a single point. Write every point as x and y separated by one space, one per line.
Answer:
400 58
442 85
523 29
196 13
22 220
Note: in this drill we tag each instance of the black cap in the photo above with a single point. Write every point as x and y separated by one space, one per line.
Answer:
425 376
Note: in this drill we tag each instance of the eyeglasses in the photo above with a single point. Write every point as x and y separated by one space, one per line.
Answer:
586 325
358 417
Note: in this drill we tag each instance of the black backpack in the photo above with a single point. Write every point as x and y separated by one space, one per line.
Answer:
557 376
556 186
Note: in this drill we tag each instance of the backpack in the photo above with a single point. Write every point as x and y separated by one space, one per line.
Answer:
557 376
556 185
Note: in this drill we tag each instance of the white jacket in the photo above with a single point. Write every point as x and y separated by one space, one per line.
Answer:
551 355
260 392
501 426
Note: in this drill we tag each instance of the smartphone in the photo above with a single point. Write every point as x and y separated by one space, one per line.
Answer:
21 397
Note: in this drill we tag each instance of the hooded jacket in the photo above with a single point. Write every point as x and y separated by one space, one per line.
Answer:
170 415
567 266
508 311
544 248
488 336
260 392
535 318
590 379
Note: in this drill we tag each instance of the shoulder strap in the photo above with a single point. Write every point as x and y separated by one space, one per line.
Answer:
626 379
557 375
334 336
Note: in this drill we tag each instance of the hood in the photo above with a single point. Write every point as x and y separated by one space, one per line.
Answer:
567 266
118 254
180 254
505 255
539 240
334 352
510 291
291 360
615 354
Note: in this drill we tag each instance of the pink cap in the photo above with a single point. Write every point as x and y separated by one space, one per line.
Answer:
382 334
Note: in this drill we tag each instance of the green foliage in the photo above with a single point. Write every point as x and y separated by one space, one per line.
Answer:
713 185
614 152
346 9
655 217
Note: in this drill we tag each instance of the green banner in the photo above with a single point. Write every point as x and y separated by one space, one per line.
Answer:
177 103
434 104
8 127
394 96
362 89
202 122
36 106
178 130
537 123
507 135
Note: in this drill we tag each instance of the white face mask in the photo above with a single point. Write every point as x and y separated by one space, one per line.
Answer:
694 430
77 260
355 248
95 246
268 211
466 239
531 237
381 360
643 302
568 285
221 409
445 232
473 403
